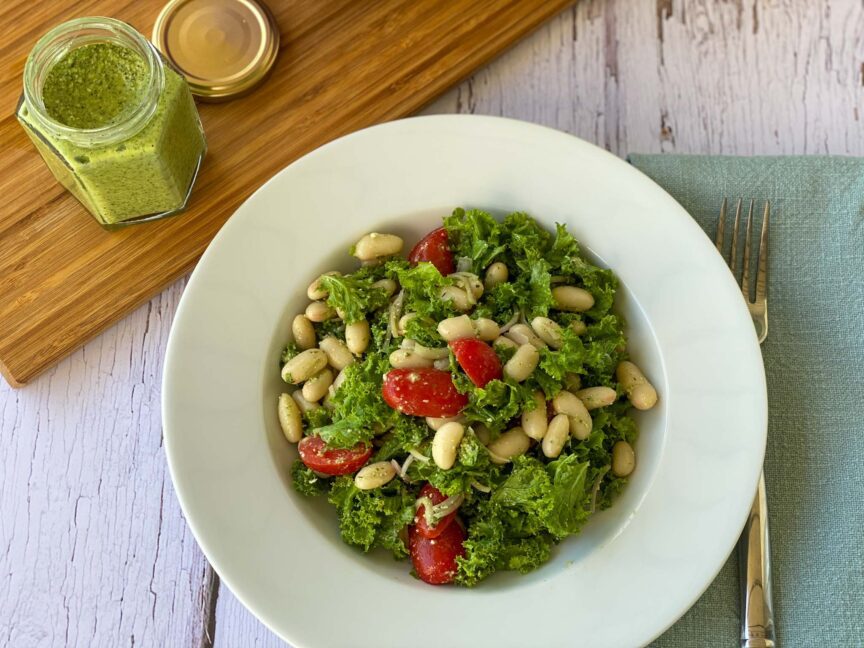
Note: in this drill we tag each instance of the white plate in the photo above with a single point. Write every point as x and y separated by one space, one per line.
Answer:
636 568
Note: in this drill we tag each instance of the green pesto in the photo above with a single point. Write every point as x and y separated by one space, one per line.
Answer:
94 85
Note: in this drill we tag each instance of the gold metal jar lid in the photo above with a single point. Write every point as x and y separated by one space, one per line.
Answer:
224 47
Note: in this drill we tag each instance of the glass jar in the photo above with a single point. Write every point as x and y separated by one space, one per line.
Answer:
113 120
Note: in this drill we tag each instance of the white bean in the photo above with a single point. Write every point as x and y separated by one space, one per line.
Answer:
579 327
340 378
338 354
303 331
374 475
573 382
548 331
407 359
387 285
445 444
436 423
640 392
474 284
523 362
512 443
486 329
496 273
458 296
290 418
623 459
304 365
315 291
357 336
573 299
505 342
375 246
483 434
534 421
403 322
595 397
316 387
523 334
319 311
456 328
580 420
436 353
556 436
443 364
302 403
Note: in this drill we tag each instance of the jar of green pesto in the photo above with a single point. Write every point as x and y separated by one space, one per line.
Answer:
113 120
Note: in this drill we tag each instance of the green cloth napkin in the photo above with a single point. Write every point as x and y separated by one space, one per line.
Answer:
814 360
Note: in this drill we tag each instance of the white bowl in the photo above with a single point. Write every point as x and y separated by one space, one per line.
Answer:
636 568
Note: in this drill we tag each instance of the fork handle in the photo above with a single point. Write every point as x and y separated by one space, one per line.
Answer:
754 560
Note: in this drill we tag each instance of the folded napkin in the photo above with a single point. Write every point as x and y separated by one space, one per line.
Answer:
814 360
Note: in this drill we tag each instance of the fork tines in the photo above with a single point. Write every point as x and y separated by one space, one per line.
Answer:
746 261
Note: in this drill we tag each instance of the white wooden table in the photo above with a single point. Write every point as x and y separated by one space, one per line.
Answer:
94 551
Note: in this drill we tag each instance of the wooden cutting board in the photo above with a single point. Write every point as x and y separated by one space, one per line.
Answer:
343 65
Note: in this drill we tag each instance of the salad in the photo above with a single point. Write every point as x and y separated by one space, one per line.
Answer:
468 406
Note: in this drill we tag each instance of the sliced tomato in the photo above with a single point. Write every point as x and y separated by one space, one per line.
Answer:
434 559
420 519
435 248
477 359
422 392
332 461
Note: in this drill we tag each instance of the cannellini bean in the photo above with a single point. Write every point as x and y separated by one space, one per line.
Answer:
486 329
579 327
338 354
445 444
302 403
357 336
496 273
571 298
315 291
595 397
556 436
403 322
407 343
523 362
407 359
505 342
436 423
290 418
316 387
319 311
340 378
573 382
534 421
374 475
640 392
523 334
443 364
548 331
483 434
304 365
375 246
387 285
458 296
303 331
436 353
580 420
623 459
475 285
456 328
512 443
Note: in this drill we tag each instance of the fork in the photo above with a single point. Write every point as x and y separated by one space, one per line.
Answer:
754 552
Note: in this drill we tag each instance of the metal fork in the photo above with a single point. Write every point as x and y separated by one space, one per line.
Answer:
754 549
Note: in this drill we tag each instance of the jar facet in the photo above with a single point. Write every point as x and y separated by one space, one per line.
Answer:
142 165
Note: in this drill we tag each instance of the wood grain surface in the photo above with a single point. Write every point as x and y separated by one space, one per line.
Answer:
343 65
94 552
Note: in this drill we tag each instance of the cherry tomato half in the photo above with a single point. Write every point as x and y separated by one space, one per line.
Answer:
332 461
477 359
420 519
435 248
422 392
434 559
